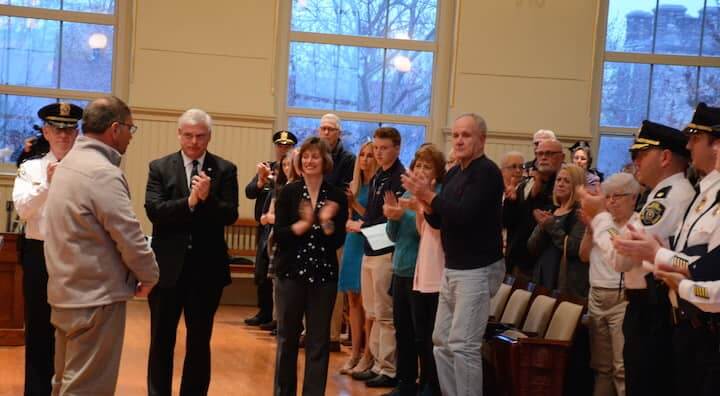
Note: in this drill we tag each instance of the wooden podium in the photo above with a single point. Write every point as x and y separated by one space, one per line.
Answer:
12 331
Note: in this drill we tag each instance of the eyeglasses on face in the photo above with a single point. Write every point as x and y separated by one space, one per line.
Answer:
547 153
616 196
131 127
513 167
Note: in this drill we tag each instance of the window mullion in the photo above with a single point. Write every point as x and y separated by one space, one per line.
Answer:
360 41
70 16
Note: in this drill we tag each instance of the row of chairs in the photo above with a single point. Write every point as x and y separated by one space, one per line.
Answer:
527 350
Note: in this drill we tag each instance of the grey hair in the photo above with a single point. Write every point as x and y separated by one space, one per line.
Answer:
195 117
334 118
479 121
622 182
511 154
544 132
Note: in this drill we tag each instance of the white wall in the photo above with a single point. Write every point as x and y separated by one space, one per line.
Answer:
525 65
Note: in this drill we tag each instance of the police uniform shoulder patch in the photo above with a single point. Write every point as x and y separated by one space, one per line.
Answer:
701 292
663 192
652 213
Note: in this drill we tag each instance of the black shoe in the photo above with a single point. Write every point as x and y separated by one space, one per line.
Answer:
394 392
271 325
334 346
256 320
364 375
381 381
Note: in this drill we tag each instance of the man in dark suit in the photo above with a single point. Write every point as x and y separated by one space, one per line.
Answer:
191 196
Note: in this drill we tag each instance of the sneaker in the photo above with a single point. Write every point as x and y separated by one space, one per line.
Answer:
364 375
349 365
381 381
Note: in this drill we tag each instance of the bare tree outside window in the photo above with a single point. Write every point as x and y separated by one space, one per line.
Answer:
53 56
388 80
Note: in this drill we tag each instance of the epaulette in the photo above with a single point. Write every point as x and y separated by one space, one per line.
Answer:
663 192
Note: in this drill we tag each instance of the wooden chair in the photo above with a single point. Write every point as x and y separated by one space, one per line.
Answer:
499 300
516 308
241 240
537 319
536 366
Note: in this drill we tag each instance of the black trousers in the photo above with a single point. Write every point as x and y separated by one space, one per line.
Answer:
198 300
262 282
407 353
414 320
265 299
424 307
295 299
648 346
39 332
697 359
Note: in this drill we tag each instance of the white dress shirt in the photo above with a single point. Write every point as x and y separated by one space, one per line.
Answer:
30 192
188 166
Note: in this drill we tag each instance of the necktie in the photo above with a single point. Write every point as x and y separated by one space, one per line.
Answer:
194 171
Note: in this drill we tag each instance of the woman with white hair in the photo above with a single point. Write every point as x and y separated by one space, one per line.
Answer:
606 300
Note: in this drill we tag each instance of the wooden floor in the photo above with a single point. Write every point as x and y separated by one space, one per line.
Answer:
243 359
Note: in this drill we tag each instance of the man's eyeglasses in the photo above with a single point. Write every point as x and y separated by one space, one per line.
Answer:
132 128
546 153
328 129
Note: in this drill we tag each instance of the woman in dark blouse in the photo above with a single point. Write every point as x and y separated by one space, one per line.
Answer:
310 218
559 233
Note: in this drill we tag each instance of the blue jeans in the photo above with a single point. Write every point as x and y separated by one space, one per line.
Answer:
460 324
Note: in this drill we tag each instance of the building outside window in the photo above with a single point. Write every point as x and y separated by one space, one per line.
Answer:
661 58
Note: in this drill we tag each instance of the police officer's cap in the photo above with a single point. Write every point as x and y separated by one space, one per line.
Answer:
705 119
285 138
61 115
654 135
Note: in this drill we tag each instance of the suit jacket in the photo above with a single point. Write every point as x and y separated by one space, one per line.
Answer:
176 227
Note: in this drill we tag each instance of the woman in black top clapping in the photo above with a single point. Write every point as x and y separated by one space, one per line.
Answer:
310 218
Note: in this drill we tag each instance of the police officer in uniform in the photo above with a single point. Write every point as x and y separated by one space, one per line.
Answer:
29 193
259 189
661 157
695 337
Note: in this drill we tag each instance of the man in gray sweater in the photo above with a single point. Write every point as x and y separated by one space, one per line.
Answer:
96 253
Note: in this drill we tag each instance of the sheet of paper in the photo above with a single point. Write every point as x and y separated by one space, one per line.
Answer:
377 236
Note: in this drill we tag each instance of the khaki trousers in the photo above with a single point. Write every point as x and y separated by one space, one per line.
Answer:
375 280
606 309
88 345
